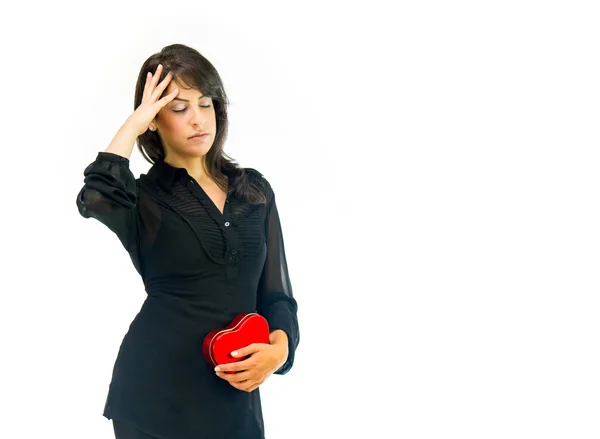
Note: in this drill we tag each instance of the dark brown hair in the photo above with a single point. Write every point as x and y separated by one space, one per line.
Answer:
193 70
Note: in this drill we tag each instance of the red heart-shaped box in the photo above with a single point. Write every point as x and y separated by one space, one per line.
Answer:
244 329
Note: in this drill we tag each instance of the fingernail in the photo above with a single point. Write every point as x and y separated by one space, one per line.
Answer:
217 369
234 353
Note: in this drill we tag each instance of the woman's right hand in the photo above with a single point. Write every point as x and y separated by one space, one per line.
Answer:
144 114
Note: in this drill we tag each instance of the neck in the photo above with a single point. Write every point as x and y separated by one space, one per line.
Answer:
193 165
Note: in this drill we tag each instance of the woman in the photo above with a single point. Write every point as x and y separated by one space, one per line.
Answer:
205 236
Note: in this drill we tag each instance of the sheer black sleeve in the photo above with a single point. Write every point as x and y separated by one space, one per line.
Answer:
275 299
110 195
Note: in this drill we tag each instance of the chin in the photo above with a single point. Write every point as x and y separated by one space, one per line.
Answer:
197 151
192 150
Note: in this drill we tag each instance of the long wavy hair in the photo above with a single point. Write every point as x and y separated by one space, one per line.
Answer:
193 70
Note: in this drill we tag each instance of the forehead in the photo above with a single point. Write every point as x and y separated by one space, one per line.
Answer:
184 91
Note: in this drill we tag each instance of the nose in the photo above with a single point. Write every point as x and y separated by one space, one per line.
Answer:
196 118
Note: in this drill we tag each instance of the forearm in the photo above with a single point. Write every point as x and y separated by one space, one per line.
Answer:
279 339
123 142
283 324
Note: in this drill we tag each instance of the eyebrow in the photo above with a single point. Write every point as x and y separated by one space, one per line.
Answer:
185 100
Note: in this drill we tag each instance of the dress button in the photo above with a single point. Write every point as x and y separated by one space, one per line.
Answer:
233 252
227 224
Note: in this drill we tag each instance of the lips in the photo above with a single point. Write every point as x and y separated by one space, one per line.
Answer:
199 135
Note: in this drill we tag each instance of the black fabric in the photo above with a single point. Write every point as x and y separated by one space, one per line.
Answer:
200 268
127 431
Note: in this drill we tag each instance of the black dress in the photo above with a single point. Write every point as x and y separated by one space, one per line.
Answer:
200 268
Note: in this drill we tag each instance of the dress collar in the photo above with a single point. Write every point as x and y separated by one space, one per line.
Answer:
166 175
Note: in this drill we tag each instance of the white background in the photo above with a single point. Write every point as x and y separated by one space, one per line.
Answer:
436 168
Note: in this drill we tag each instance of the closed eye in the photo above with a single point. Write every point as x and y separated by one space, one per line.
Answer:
181 111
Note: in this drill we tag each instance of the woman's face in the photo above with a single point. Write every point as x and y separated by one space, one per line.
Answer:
186 115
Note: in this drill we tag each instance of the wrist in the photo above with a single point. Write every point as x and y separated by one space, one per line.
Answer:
132 129
278 337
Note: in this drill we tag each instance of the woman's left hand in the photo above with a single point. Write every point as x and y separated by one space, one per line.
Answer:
263 360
